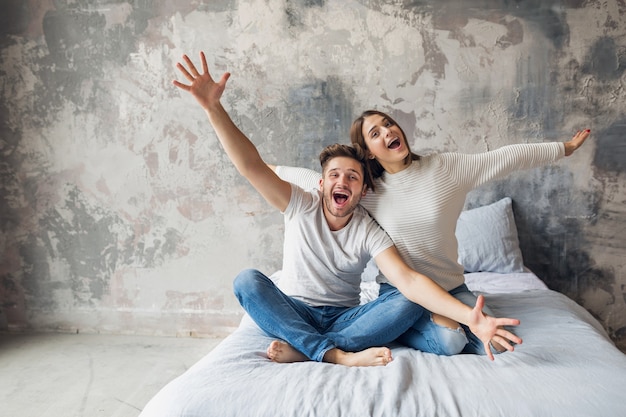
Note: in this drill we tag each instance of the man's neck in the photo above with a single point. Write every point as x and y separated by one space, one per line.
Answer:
336 223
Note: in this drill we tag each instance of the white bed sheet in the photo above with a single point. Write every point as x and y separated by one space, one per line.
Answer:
567 366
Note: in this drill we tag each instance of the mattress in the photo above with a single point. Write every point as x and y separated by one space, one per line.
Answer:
567 366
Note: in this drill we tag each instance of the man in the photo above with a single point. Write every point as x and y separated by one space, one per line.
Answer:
313 309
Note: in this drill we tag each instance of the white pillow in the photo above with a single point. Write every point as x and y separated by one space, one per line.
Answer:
488 239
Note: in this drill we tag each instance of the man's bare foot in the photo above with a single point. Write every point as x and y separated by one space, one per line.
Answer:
376 356
283 352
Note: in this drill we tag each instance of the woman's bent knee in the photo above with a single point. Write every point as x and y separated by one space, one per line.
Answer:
452 341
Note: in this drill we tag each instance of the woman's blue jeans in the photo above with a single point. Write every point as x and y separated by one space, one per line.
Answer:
313 331
428 336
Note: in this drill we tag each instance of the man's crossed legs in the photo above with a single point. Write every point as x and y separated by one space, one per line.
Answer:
350 336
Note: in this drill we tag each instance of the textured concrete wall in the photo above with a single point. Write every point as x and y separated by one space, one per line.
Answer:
120 213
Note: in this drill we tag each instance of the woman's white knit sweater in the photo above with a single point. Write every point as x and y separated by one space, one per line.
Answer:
419 206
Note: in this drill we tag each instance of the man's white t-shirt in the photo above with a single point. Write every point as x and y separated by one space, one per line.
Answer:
323 267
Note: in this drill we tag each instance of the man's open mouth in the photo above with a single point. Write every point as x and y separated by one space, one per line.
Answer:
340 197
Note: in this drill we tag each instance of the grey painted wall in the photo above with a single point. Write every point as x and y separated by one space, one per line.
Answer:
120 213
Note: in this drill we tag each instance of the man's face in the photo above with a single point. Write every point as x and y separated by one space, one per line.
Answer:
342 187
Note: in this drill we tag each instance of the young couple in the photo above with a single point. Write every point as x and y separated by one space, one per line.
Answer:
313 310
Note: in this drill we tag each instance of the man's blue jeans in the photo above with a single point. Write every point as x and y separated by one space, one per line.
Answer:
313 331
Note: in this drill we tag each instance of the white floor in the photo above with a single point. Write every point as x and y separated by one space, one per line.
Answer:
84 375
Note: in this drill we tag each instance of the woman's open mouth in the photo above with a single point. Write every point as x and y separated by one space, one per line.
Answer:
394 144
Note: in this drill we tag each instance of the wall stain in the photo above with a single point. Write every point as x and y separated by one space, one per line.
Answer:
610 154
14 19
10 215
604 60
84 237
294 8
542 15
320 114
36 279
79 48
533 99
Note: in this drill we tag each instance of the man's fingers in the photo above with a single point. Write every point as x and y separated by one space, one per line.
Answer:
192 67
488 351
182 69
224 78
508 341
205 66
502 334
507 322
480 302
504 343
181 85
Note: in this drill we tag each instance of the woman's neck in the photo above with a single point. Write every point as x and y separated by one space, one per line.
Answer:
395 167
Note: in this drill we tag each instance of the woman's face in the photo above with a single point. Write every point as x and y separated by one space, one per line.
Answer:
385 141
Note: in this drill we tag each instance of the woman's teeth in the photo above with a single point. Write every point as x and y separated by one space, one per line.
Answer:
394 144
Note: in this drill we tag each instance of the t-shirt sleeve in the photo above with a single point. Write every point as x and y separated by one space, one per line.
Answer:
300 200
303 177
378 240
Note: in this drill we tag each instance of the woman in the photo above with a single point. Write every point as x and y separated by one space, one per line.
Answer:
418 199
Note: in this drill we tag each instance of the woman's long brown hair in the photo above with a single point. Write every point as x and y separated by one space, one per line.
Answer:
358 141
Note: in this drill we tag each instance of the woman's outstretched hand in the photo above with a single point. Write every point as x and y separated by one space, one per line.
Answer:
577 141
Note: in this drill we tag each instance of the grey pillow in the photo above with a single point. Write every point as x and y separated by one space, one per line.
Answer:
488 240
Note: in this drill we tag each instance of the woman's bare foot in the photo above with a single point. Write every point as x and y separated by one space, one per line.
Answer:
283 352
376 356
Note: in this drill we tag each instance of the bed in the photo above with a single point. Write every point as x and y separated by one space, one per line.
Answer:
567 365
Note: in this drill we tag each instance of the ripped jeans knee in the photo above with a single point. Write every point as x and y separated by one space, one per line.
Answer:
428 336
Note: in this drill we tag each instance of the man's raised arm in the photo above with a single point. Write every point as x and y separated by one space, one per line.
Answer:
238 147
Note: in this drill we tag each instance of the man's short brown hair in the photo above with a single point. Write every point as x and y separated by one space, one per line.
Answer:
337 150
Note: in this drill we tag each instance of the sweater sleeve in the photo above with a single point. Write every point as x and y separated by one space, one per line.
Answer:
473 170
304 178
